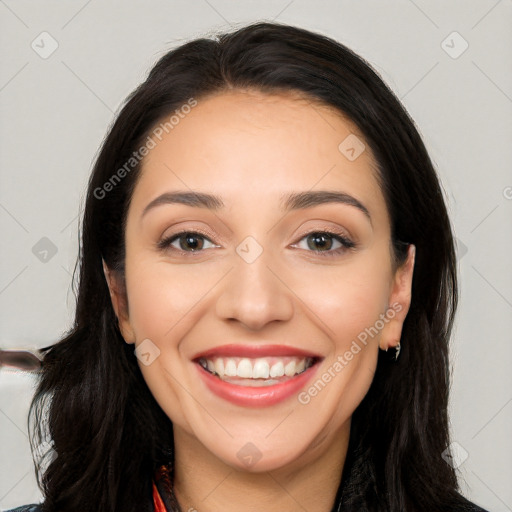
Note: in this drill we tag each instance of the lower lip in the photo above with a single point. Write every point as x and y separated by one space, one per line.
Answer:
256 396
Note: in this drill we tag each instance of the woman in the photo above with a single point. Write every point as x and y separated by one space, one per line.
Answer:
263 223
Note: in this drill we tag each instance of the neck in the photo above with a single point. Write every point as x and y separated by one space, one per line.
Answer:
203 483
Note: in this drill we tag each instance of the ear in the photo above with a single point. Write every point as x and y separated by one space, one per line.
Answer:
118 298
399 302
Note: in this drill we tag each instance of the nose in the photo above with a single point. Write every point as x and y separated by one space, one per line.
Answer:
255 294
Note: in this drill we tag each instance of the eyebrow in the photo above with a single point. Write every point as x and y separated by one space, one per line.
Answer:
289 202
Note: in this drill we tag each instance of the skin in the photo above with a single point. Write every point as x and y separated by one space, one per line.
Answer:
249 148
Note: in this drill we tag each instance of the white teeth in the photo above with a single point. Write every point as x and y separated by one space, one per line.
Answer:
289 369
261 368
219 366
277 369
244 369
230 368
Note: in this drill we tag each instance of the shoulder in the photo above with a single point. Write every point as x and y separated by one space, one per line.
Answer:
27 508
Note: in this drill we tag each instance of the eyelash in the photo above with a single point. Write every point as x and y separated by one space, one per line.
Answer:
346 243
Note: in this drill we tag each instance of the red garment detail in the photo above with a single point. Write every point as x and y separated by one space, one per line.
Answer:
157 500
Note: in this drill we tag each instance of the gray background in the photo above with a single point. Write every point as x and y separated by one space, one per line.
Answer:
56 110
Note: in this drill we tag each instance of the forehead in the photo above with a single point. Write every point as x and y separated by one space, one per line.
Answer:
246 145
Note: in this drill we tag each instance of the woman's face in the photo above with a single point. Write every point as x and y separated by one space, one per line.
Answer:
257 290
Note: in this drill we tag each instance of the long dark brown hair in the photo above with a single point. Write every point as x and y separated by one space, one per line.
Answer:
97 433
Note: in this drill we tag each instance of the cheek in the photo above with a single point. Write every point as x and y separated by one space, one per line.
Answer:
347 299
164 302
347 303
162 297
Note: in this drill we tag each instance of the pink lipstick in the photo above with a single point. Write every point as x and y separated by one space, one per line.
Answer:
256 375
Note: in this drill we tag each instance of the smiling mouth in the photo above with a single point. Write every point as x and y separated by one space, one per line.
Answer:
256 372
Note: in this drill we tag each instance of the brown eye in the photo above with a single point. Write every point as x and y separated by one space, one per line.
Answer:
187 241
322 243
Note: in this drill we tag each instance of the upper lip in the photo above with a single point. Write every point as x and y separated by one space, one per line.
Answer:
254 351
